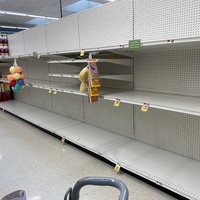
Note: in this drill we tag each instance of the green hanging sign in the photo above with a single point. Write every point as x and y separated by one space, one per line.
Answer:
134 44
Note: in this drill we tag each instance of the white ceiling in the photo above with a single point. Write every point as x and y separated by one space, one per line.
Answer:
49 8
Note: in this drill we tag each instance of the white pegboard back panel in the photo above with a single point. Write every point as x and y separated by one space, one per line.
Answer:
172 131
163 20
69 105
35 40
107 25
62 34
23 95
16 44
41 98
104 115
170 71
37 69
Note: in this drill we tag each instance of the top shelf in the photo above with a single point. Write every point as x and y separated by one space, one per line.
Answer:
120 49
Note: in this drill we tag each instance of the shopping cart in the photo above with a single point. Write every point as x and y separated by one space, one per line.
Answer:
73 194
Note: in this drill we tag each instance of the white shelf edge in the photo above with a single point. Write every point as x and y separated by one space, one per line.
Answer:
122 77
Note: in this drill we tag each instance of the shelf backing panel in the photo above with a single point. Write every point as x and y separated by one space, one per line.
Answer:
16 44
63 34
165 20
168 71
37 69
116 119
69 105
172 131
107 25
35 40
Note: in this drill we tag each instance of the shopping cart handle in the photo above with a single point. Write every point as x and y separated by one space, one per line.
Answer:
101 181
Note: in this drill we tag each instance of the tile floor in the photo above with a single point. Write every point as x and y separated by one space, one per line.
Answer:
45 168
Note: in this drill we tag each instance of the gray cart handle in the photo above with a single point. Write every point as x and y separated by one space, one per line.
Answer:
101 181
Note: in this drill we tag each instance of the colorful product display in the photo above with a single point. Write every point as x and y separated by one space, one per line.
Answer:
4 51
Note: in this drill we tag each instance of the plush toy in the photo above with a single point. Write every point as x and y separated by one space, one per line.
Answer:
16 77
83 77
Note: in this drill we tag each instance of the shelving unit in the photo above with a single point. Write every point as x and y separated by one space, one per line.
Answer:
162 144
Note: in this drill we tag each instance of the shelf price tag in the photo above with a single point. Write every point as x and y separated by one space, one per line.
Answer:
117 168
116 103
145 107
55 92
36 55
63 139
23 86
82 53
50 91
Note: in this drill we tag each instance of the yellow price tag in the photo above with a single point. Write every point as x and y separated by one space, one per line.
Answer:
116 103
145 107
55 92
82 53
50 91
117 168
23 86
63 139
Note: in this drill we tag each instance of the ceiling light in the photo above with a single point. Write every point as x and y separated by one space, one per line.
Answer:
26 15
13 27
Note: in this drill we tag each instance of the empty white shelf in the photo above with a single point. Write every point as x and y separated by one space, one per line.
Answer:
122 77
169 170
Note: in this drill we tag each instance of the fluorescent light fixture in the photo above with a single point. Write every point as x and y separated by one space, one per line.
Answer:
13 27
26 15
15 13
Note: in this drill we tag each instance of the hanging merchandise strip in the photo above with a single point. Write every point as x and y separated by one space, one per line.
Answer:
16 78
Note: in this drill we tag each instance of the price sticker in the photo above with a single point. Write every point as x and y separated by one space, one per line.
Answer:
23 86
116 103
50 91
82 53
145 107
117 168
63 139
55 92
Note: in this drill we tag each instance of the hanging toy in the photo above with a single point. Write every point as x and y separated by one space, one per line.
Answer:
16 77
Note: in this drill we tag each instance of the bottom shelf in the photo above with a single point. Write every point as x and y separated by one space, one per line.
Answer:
174 172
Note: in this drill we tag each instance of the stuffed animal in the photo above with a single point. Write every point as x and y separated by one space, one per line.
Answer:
16 77
83 77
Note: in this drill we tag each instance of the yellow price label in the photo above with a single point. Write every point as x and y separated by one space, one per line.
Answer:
38 56
117 168
63 139
145 107
23 86
116 103
55 92
50 91
82 53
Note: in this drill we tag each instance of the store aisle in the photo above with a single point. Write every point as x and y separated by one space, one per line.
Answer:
45 168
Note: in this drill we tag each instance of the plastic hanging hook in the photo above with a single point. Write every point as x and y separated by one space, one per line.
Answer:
15 62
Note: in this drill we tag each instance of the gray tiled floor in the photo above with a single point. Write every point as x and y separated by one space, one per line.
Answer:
45 168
